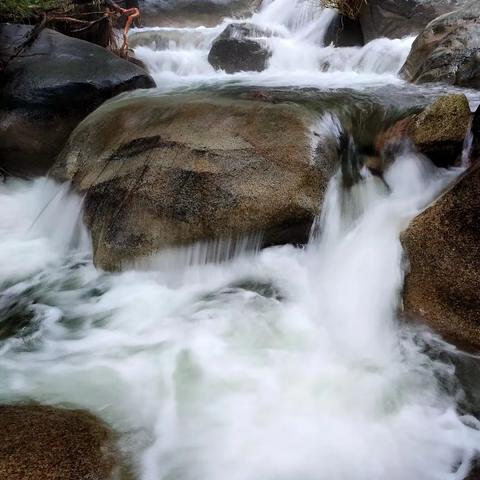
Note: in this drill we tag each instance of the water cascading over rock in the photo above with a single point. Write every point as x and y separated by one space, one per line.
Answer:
163 172
280 363
240 48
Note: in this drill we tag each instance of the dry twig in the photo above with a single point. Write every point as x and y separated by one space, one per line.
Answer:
349 8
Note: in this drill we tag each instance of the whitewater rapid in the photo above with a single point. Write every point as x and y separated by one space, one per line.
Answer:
282 363
178 56
278 364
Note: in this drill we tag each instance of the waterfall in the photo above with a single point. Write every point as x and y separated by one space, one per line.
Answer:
283 363
221 359
180 55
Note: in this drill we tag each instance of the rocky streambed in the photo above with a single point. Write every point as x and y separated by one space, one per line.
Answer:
253 252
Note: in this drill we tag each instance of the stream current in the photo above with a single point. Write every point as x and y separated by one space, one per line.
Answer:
279 364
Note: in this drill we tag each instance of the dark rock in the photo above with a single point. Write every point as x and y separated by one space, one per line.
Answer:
448 50
240 48
399 18
344 32
438 132
475 473
443 248
193 168
43 443
48 89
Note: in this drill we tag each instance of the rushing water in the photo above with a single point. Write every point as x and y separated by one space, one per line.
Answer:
286 363
177 56
281 364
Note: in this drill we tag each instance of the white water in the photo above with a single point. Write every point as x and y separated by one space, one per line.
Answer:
179 56
282 364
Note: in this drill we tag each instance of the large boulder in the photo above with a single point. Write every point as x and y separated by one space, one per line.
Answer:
448 50
48 88
169 171
439 131
45 443
400 18
241 47
443 248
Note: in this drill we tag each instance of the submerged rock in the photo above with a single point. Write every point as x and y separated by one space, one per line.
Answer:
240 48
44 443
448 50
443 248
438 132
48 89
163 172
400 18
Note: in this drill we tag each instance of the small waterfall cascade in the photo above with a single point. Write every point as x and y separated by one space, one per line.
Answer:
179 55
281 362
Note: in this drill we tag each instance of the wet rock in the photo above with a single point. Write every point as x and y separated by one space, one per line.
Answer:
48 89
163 172
344 32
240 48
438 132
400 18
443 248
43 443
448 50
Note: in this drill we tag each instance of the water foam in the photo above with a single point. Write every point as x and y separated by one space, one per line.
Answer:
278 364
180 55
284 364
